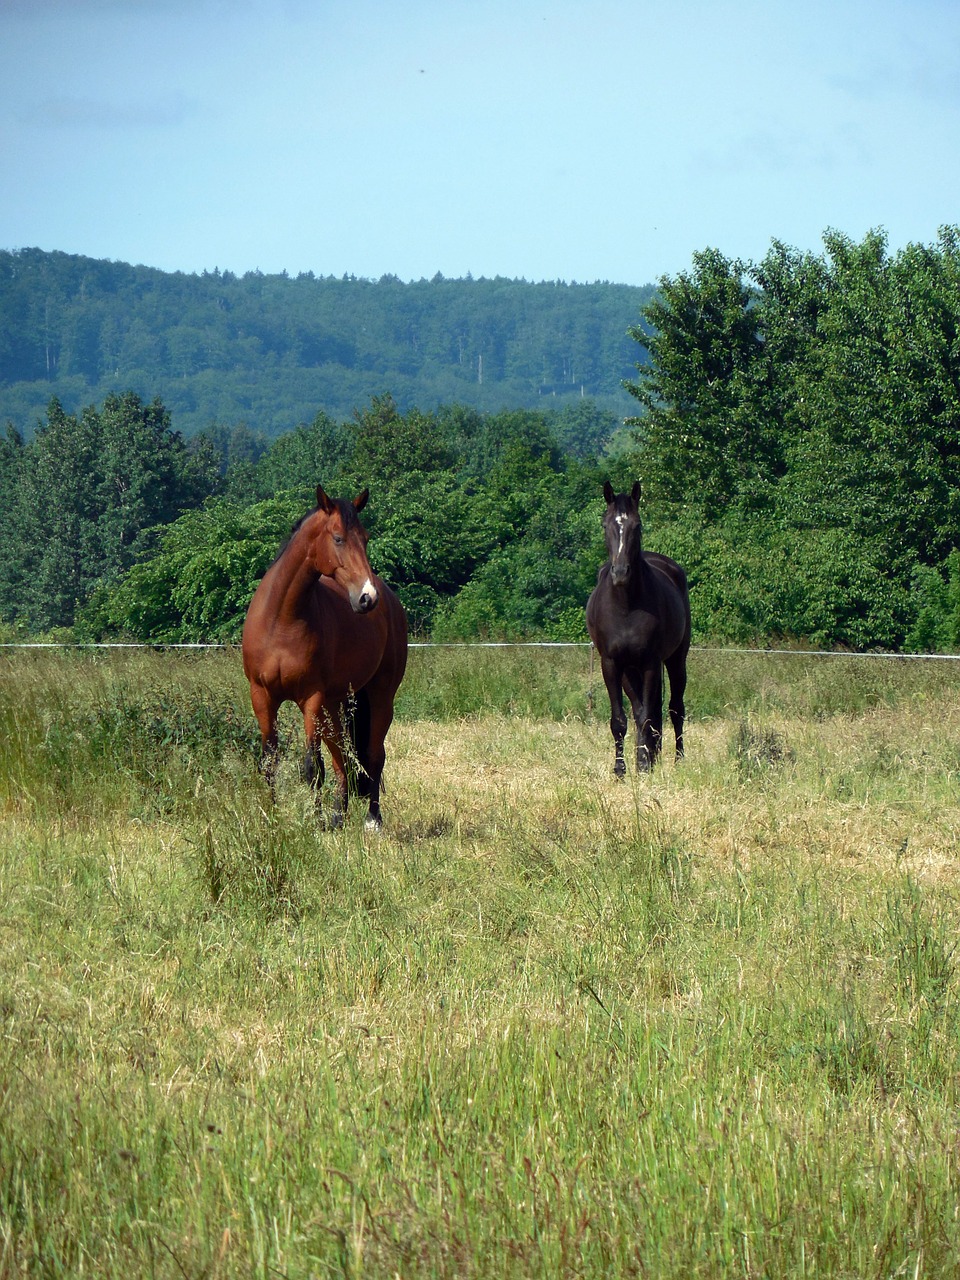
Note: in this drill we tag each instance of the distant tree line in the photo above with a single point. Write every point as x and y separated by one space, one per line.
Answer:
269 350
797 435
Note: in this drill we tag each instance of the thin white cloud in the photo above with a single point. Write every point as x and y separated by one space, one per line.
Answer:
921 76
100 114
783 151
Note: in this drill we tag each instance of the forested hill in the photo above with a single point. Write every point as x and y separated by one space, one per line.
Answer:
270 351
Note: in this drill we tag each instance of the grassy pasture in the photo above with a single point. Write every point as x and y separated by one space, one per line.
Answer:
546 1024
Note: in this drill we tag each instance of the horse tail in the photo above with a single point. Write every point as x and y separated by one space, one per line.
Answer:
360 740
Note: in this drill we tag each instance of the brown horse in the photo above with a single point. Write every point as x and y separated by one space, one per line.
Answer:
638 616
324 632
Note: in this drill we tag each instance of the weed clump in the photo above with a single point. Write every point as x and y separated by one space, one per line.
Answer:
758 750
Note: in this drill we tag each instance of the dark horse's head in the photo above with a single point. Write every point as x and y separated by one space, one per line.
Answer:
623 531
338 547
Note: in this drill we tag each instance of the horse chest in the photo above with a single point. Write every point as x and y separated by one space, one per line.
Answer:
627 631
633 643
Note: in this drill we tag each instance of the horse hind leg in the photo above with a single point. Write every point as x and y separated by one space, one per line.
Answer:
645 690
374 716
338 812
677 674
321 725
618 719
357 733
312 771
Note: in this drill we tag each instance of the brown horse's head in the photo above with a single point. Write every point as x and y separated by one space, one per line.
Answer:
623 531
338 548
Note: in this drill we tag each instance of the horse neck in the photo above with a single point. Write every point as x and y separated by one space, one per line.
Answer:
637 587
293 578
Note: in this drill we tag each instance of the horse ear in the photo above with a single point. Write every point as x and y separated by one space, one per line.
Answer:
360 501
635 491
323 502
608 492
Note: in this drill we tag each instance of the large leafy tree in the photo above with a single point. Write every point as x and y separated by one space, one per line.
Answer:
199 579
426 534
810 406
300 460
883 445
12 463
536 582
702 438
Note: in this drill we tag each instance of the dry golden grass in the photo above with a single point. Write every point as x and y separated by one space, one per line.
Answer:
846 790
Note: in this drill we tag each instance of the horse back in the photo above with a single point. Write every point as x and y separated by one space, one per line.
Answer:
669 569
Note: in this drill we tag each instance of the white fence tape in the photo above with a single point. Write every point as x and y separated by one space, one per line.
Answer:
506 644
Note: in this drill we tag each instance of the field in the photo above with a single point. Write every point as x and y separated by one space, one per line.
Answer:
697 1025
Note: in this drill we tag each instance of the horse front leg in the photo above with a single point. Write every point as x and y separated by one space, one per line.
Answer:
612 677
266 709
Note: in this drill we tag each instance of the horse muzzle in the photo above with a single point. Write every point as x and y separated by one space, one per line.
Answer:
367 598
619 574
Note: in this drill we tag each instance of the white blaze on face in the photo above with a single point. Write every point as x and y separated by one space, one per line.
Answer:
621 525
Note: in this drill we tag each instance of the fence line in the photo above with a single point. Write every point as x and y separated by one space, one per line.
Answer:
502 644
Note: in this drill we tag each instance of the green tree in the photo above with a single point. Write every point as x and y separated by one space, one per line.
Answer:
91 488
809 408
12 565
936 624
584 429
300 460
426 533
702 438
880 453
537 582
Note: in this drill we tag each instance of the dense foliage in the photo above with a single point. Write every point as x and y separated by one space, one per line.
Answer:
269 350
799 444
800 440
113 525
81 499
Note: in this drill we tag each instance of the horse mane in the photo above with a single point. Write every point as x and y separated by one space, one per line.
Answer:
348 515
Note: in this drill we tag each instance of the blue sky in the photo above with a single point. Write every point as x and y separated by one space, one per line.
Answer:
542 139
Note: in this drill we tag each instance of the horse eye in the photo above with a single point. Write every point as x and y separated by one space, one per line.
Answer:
338 539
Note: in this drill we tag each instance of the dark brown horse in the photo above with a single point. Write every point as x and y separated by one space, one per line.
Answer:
324 632
638 616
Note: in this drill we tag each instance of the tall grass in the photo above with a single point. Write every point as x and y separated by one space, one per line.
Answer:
701 1024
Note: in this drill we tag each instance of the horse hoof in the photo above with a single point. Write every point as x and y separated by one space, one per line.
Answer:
373 824
620 770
